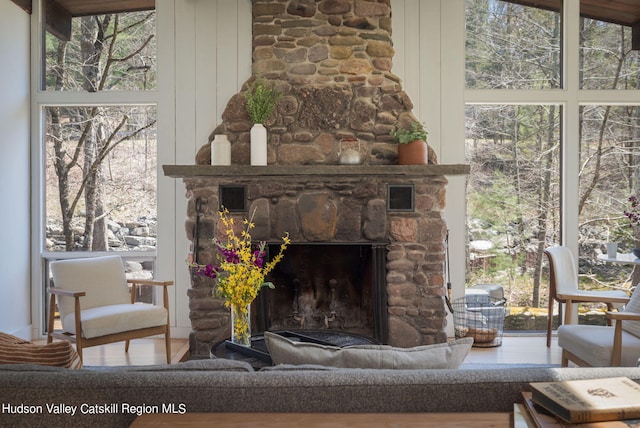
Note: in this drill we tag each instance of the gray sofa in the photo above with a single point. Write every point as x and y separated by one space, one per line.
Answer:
112 397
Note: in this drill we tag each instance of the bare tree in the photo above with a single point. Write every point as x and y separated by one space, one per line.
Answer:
98 131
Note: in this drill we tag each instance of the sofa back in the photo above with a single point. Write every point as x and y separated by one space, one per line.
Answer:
229 386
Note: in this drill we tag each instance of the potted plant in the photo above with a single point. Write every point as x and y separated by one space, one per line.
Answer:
412 144
261 101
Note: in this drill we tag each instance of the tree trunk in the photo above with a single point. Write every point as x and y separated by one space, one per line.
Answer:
544 197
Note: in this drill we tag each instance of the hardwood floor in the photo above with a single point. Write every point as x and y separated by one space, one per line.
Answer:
520 349
142 352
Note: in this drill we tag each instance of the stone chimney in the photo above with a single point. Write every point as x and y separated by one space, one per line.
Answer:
332 60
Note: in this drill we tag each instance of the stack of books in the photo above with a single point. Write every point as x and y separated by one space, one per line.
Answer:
592 403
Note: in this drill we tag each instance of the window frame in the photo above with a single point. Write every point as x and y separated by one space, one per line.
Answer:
571 98
40 100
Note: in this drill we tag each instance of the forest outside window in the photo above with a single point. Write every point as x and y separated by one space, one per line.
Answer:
100 178
516 53
510 46
512 195
100 157
115 51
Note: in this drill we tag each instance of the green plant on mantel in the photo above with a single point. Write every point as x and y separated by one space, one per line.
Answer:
405 136
261 100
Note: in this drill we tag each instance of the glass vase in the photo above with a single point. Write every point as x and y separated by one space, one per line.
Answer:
241 324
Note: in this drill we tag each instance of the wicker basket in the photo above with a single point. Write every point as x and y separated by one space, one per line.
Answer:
482 319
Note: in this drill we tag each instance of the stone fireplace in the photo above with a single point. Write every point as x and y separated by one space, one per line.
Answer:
332 61
330 205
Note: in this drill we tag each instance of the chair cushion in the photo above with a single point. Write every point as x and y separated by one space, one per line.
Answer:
112 319
564 267
633 305
14 350
439 356
102 278
594 344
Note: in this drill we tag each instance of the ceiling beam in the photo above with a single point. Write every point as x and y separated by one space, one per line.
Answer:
24 5
58 20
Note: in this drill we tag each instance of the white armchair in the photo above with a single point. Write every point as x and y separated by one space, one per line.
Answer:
563 288
96 306
604 346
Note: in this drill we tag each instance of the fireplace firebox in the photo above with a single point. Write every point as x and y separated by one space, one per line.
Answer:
339 287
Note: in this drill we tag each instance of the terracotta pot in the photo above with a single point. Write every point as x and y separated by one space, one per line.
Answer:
413 153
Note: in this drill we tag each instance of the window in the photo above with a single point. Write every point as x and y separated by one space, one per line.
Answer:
509 46
97 107
549 164
513 201
609 160
100 178
606 58
100 159
109 52
513 208
609 151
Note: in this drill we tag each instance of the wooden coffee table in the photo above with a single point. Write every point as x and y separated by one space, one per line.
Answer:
324 420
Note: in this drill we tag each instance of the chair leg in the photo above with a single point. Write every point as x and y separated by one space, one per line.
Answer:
167 342
79 351
52 311
560 314
549 321
126 345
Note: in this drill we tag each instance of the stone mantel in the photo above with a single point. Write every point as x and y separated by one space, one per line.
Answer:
182 171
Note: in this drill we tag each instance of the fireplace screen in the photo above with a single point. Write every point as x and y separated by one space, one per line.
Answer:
327 287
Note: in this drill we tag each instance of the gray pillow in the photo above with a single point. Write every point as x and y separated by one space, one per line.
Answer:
439 356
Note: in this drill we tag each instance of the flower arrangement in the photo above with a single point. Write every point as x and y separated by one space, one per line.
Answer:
240 272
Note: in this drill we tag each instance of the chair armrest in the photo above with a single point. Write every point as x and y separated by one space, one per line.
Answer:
616 351
149 282
623 316
76 309
66 293
164 284
578 298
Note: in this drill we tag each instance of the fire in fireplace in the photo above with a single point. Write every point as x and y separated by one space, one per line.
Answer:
336 286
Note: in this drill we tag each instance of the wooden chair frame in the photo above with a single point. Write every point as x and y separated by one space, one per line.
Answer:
570 299
83 342
616 351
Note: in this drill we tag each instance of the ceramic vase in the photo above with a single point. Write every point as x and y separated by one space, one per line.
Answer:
258 144
241 325
220 150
